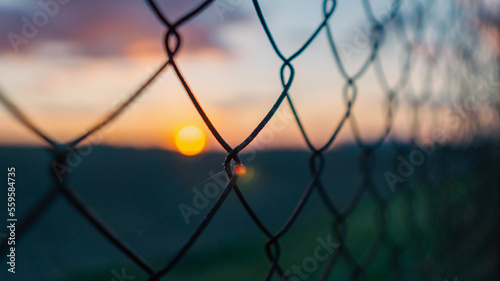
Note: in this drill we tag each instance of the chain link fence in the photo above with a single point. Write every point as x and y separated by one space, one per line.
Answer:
439 217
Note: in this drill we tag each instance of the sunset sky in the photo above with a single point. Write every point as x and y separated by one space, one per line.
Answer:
92 54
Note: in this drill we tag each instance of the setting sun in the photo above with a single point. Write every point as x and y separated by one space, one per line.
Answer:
190 140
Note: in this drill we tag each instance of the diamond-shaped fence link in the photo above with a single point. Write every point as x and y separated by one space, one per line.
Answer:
453 51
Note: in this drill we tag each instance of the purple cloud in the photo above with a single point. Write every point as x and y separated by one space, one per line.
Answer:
108 28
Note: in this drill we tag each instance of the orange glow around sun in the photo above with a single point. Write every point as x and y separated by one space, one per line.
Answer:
190 140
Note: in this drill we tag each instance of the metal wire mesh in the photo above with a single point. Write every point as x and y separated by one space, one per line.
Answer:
455 41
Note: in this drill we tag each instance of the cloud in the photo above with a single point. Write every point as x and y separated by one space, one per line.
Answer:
108 28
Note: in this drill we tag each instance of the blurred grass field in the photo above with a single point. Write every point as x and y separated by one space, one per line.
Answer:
441 222
419 241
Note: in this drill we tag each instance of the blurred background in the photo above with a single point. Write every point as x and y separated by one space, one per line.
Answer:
407 189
